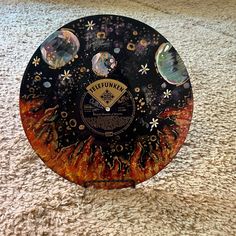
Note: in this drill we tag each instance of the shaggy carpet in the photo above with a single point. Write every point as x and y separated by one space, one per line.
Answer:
194 195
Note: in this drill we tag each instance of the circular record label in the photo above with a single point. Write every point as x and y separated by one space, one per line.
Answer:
107 108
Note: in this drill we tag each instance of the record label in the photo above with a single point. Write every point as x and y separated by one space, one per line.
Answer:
107 108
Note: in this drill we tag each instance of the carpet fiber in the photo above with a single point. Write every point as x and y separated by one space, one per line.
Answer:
194 195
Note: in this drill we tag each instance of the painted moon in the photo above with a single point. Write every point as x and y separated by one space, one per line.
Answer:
170 65
60 48
103 63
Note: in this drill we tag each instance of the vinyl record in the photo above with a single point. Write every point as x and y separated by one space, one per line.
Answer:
106 101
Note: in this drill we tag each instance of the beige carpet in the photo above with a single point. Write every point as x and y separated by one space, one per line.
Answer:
194 195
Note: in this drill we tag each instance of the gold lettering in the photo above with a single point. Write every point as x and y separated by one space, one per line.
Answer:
111 85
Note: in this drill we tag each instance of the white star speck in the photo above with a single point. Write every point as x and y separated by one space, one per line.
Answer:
66 75
144 69
90 25
153 123
167 93
36 61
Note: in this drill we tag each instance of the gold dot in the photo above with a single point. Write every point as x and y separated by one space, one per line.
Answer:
81 127
37 78
153 138
119 148
101 35
64 114
135 32
131 46
137 89
72 122
143 42
31 90
82 69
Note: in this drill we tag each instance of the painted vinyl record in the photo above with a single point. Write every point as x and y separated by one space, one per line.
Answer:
106 101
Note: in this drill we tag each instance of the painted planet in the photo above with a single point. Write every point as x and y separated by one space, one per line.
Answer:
103 63
116 115
60 48
170 65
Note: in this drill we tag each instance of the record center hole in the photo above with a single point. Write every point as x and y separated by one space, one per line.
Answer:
108 109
